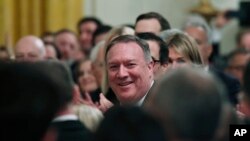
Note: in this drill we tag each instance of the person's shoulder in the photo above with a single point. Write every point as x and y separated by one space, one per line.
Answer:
224 76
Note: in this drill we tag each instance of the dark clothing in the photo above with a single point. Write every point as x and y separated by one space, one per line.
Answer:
95 95
71 130
110 95
232 84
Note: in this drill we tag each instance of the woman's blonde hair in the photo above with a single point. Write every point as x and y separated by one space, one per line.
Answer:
184 45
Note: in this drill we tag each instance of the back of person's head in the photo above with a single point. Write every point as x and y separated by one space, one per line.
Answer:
154 15
129 124
163 51
31 95
65 81
185 45
191 104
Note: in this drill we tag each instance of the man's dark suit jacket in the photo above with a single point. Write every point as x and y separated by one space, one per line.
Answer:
232 85
71 130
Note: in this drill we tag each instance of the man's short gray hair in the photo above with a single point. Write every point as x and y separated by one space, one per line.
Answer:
195 20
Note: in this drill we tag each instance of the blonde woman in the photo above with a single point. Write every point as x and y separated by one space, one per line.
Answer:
183 49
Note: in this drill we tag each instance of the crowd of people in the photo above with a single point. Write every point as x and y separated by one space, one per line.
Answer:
138 82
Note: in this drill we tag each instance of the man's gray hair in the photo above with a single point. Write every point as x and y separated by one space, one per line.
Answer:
195 20
165 34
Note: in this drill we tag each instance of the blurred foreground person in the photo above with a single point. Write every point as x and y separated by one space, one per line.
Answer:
192 105
129 124
29 100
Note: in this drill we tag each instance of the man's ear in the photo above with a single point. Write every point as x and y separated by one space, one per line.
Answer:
151 65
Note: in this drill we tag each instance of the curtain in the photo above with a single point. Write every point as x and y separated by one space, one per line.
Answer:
34 17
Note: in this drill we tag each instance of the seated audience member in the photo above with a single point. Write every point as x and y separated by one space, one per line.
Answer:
48 37
191 104
52 51
30 98
4 54
30 48
151 22
68 45
100 34
244 99
183 50
86 27
243 39
85 79
236 63
200 31
129 124
159 52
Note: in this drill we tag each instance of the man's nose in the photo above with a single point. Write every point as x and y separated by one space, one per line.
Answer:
122 72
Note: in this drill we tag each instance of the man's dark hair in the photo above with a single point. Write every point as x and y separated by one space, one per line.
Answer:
88 19
163 52
100 30
127 39
53 45
129 124
235 52
31 95
153 15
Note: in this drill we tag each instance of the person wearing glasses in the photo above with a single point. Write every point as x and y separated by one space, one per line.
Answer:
158 51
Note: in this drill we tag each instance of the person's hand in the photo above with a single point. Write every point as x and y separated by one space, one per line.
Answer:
78 99
88 101
104 104
76 95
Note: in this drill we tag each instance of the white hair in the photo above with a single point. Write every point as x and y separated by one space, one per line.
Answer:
195 20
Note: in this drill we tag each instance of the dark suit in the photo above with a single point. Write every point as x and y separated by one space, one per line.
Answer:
149 94
232 84
71 130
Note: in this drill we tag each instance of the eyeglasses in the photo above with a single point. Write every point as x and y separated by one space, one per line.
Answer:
155 60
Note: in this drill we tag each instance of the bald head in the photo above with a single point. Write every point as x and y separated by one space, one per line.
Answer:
30 49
